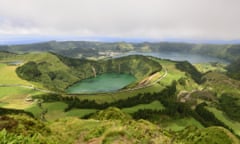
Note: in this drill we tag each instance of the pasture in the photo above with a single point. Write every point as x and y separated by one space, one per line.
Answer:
155 105
234 125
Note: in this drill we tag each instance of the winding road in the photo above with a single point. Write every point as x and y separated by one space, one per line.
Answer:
148 85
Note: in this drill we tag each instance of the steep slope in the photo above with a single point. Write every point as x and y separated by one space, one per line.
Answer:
46 69
190 70
58 72
138 66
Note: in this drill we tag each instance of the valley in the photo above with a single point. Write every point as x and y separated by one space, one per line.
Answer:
168 100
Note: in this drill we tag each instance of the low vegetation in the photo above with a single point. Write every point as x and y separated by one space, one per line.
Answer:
185 106
107 126
211 135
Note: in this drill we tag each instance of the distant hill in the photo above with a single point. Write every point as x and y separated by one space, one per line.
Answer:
87 48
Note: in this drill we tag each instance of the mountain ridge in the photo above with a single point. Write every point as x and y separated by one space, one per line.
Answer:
87 48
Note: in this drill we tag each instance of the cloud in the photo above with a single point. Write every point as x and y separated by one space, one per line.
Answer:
193 19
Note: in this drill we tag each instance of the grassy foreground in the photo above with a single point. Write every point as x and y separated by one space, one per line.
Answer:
110 126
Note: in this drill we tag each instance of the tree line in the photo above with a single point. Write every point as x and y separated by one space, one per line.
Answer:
143 98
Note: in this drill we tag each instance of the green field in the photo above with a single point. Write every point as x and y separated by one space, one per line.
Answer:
205 67
55 110
180 124
220 83
234 125
155 105
174 74
14 97
9 76
14 90
79 112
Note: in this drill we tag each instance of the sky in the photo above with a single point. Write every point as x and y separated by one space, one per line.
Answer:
22 20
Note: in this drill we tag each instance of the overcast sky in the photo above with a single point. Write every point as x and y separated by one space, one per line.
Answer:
150 19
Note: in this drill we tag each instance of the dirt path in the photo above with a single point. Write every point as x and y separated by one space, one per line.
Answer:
148 85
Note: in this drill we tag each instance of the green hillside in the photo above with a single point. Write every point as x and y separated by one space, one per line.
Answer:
110 126
210 135
59 72
178 105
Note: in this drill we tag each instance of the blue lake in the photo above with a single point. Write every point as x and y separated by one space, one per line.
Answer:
106 82
192 58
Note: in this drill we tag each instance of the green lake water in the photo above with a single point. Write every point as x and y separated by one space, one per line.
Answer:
107 82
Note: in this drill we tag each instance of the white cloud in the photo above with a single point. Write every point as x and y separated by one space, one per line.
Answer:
193 19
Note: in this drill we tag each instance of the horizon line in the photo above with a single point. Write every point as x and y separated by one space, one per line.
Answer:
16 40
